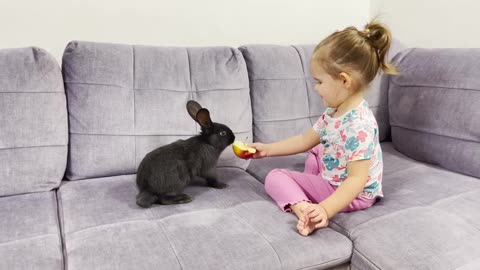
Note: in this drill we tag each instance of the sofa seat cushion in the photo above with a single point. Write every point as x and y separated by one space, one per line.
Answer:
429 218
234 228
408 183
29 232
444 235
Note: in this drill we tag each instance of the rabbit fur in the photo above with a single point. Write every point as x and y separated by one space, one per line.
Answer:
163 173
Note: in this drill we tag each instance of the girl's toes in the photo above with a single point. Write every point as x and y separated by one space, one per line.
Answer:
300 225
304 232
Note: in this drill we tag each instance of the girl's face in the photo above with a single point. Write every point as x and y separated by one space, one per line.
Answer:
332 91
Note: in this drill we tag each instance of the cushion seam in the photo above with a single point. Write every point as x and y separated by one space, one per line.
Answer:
363 256
432 133
280 79
136 135
150 89
61 227
292 119
436 87
306 84
27 92
305 117
169 243
28 237
198 90
259 233
324 263
134 108
38 146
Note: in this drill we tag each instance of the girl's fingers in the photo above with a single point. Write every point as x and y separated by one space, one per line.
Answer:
317 219
315 212
322 224
300 221
309 210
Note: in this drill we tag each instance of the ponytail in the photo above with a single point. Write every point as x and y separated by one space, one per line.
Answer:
379 37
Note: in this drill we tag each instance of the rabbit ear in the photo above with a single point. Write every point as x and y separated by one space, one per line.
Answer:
203 118
193 107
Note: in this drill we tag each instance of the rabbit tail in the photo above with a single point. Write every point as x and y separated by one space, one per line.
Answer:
145 199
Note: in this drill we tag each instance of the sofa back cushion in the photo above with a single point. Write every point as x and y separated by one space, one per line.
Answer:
435 107
33 122
284 101
124 101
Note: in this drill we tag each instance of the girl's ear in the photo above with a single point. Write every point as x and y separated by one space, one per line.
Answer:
346 80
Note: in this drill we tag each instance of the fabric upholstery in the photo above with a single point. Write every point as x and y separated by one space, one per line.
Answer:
33 122
233 228
125 101
418 238
435 106
29 232
424 206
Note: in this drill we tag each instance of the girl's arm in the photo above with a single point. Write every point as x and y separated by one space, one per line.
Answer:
349 190
293 145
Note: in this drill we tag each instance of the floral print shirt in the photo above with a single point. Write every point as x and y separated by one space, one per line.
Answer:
352 136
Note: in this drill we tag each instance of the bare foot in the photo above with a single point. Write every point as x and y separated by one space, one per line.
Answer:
304 226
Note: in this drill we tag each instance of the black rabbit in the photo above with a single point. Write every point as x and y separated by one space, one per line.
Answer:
163 173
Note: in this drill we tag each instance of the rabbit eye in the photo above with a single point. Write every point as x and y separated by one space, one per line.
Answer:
223 133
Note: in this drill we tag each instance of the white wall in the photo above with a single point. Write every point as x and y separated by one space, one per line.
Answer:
51 24
431 23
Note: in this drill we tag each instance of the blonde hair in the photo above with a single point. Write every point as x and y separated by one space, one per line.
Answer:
352 50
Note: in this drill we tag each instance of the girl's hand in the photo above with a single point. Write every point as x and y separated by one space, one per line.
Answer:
316 214
261 150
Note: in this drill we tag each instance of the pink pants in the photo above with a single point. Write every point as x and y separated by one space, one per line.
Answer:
288 187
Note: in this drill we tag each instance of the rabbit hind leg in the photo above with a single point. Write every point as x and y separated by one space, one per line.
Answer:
175 199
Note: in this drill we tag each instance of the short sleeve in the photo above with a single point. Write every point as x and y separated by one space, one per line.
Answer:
359 141
319 126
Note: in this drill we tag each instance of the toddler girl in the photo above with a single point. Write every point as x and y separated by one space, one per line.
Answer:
343 170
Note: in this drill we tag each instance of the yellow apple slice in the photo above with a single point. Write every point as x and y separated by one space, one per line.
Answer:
241 150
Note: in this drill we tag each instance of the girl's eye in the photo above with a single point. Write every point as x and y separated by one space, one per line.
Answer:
223 133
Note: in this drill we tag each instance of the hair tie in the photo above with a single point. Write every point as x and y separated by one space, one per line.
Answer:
367 33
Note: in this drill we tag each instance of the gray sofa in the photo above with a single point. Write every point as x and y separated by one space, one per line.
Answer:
71 139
